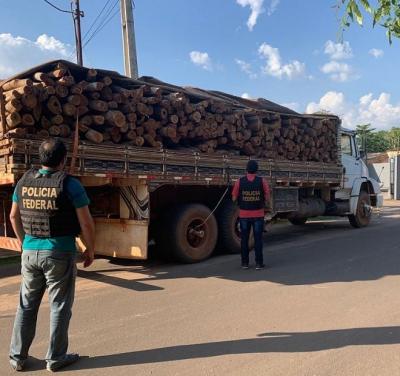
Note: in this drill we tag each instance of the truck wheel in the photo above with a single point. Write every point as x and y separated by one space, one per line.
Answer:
298 221
188 237
363 215
229 229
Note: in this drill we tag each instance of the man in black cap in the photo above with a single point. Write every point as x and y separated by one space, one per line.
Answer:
253 194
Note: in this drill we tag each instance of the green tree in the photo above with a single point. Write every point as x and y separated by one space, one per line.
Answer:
363 132
393 138
385 13
371 141
378 142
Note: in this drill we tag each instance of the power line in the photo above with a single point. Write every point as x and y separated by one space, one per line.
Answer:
103 22
56 7
101 27
96 19
106 19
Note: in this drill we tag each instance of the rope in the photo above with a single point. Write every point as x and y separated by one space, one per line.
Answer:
217 206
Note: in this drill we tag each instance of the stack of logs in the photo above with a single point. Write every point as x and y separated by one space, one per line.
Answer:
56 103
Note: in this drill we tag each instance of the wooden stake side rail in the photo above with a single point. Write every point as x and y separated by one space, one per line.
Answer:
163 166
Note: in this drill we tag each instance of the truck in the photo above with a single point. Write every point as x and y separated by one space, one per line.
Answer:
179 198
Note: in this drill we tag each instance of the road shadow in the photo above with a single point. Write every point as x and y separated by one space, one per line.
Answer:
270 342
116 281
320 252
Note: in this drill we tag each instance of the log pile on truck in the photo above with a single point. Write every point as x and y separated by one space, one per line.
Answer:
60 98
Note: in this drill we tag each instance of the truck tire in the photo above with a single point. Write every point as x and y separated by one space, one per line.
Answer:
229 229
363 216
298 221
188 238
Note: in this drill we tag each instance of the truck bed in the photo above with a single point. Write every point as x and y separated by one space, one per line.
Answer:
124 165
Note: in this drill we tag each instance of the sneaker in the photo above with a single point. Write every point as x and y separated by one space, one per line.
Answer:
55 365
245 266
260 266
17 365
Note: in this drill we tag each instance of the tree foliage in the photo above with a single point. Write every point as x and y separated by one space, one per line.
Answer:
385 13
373 141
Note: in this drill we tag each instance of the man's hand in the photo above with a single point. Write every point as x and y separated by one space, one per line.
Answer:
88 257
88 232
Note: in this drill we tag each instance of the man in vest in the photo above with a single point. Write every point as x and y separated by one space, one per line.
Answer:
253 194
49 210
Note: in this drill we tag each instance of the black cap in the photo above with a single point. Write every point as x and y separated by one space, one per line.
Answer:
252 167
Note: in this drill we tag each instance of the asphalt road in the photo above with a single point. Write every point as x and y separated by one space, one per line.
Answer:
329 304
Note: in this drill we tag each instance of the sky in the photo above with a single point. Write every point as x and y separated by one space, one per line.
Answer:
288 51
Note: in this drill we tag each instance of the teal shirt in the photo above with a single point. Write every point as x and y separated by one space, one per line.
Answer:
77 194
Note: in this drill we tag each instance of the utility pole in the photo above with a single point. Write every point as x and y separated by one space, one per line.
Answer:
128 36
77 14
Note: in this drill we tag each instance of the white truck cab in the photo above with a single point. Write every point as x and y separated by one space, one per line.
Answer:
362 191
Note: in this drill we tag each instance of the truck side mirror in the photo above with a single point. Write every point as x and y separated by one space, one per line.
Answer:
363 154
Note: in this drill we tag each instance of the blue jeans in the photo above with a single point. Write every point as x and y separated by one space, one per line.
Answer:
258 227
55 271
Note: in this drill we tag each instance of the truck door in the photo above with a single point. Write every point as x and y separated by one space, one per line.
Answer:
350 160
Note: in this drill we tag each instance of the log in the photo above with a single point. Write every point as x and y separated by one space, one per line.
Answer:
43 95
66 81
55 131
143 109
17 84
86 120
131 135
160 113
50 90
152 142
45 78
59 72
107 94
62 91
107 81
19 132
98 105
115 118
117 97
14 105
195 116
65 131
17 92
94 95
97 119
54 105
112 105
94 86
29 100
45 123
94 136
76 89
37 112
116 135
139 141
43 133
132 117
75 99
91 75
57 120
69 109
84 101
27 120
82 110
13 120
128 108
174 119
